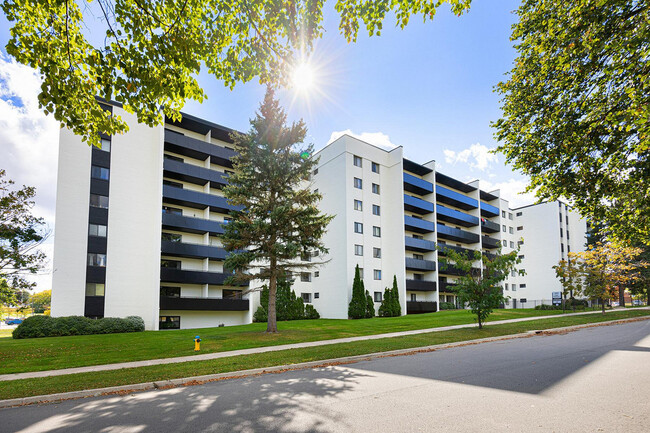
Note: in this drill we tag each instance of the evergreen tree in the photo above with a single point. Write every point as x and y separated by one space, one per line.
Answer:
370 306
396 307
385 309
357 307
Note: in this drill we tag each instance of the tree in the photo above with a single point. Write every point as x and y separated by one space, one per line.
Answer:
288 305
370 306
358 305
21 233
480 287
390 306
394 295
279 220
640 278
153 51
569 273
40 301
575 108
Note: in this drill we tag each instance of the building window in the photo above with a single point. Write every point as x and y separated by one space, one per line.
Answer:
560 218
377 296
357 160
105 145
509 215
305 277
376 253
99 172
172 210
94 289
418 256
521 256
358 227
95 259
511 230
316 191
376 231
421 237
316 275
100 201
375 188
358 250
567 235
169 322
170 292
561 232
503 229
377 274
503 214
567 220
171 237
519 214
520 243
358 205
361 273
315 172
522 286
172 183
520 228
514 287
375 167
375 210
358 183
173 264
97 230
316 295
414 297
231 294
306 298
513 273
562 247
506 286
173 158
418 277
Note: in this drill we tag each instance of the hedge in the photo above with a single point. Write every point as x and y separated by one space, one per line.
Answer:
46 326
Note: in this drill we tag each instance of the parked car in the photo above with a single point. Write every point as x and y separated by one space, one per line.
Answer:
14 321
637 302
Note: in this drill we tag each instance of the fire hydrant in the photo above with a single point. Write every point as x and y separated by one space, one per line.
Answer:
197 343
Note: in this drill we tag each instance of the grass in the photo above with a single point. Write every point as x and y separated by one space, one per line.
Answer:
73 382
17 356
6 333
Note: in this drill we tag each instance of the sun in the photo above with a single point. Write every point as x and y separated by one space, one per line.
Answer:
303 78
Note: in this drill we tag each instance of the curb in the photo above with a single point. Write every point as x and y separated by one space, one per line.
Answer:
199 380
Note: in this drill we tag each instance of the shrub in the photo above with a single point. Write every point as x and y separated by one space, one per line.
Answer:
46 326
547 307
370 306
260 315
390 306
310 312
358 304
447 306
287 305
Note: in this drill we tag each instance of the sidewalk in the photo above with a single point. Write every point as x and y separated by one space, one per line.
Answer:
217 355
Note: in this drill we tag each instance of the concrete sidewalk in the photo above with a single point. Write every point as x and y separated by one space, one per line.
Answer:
217 355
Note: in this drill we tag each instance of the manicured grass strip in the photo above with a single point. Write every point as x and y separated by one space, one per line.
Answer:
101 379
38 354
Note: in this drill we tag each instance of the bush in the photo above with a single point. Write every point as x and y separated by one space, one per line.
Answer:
447 306
310 312
547 307
46 326
358 307
287 305
390 306
260 315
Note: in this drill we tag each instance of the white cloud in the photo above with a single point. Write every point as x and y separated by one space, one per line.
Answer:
378 139
511 190
476 156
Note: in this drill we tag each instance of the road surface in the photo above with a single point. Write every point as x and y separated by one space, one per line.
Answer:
592 380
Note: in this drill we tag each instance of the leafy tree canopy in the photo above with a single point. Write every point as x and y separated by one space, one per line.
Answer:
576 108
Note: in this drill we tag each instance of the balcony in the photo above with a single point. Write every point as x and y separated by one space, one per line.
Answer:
418 307
449 181
456 217
487 210
417 205
457 235
460 250
420 265
416 185
450 269
171 275
198 149
489 226
489 242
455 199
187 224
196 200
180 249
420 286
193 174
418 225
419 245
447 287
203 304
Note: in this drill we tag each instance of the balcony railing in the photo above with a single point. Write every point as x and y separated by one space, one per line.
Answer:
420 245
203 304
172 221
416 185
489 226
193 173
198 149
449 269
418 225
489 242
461 250
455 199
447 287
417 307
171 275
420 286
456 216
420 265
457 235
487 210
197 200
181 249
417 205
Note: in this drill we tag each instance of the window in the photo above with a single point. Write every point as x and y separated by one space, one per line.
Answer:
173 158
361 273
418 277
100 201
509 215
520 213
94 289
522 286
514 287
169 322
520 243
513 273
172 183
375 167
305 276
170 292
171 237
173 264
504 229
567 235
316 295
562 247
561 232
376 253
306 297
357 160
95 259
227 219
418 256
99 172
377 296
420 237
358 205
315 172
358 183
105 145
172 210
567 220
97 230
375 188
521 256
316 275
375 209
376 231
316 191
520 228
414 297
358 227
305 257
377 274
358 250
506 286
231 294
511 230
560 218
503 214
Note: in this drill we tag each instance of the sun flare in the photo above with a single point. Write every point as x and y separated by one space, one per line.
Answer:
303 77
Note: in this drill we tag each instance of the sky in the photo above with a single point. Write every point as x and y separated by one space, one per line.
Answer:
428 88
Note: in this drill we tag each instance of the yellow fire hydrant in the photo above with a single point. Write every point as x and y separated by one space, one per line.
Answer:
197 343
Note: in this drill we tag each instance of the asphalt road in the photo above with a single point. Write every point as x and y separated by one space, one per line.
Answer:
592 380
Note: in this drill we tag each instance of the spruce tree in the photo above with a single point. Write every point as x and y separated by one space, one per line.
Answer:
357 307
370 306
385 307
396 307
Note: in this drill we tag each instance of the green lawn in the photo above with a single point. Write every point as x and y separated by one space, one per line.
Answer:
5 333
49 385
52 353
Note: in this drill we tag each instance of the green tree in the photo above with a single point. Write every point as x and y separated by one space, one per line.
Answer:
640 278
370 306
576 111
288 305
479 288
386 307
358 305
279 220
570 275
151 52
394 295
40 301
21 233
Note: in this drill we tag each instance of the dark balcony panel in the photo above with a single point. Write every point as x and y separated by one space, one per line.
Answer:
416 185
180 249
100 158
443 247
187 224
416 168
420 265
489 226
98 215
419 245
193 174
201 126
198 149
417 307
487 210
489 242
196 200
457 235
203 304
95 274
417 225
171 275
99 186
447 287
449 269
443 179
94 306
417 205
487 196
96 244
456 217
420 286
456 199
